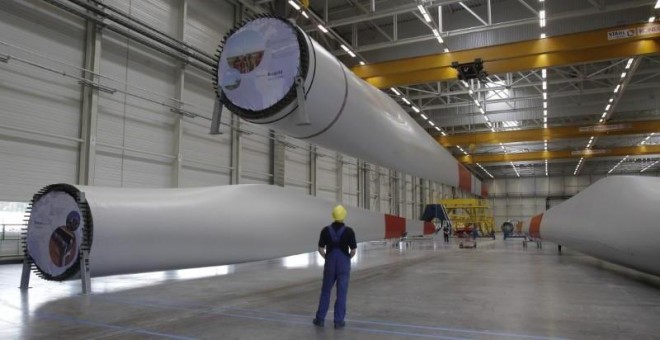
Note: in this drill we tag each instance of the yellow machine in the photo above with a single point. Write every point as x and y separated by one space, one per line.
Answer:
468 213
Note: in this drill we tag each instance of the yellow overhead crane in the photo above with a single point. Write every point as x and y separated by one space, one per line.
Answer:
563 154
551 133
604 44
468 213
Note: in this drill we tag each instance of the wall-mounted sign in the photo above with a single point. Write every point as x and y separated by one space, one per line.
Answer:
650 29
604 128
621 34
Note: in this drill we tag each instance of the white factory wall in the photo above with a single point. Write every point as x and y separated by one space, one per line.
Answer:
137 140
327 169
522 198
40 110
350 189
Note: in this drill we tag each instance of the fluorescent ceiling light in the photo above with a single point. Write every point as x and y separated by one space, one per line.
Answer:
607 108
510 123
323 29
415 109
545 96
351 54
650 166
406 100
630 61
544 73
446 50
432 124
362 63
545 105
437 128
652 19
443 133
421 9
424 116
343 47
616 89
305 15
657 5
545 85
604 114
395 91
623 75
440 40
426 17
543 36
476 102
294 5
436 33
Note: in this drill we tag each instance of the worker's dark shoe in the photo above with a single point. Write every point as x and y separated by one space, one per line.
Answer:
339 325
318 323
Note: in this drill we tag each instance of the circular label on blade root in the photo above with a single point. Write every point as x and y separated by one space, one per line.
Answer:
55 232
259 63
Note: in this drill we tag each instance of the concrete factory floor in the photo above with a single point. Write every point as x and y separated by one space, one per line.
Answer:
428 290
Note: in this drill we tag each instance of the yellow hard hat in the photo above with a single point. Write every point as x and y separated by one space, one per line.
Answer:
339 213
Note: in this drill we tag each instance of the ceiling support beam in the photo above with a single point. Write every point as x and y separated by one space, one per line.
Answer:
473 13
563 154
551 133
521 56
532 9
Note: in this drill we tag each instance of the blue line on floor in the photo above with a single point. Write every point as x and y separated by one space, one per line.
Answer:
305 323
56 317
227 312
373 330
458 330
382 323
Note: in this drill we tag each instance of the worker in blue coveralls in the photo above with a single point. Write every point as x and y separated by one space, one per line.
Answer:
337 246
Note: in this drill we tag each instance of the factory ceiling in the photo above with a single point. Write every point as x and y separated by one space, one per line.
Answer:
573 87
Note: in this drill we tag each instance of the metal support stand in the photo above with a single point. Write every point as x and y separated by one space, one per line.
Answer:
84 272
303 117
217 114
84 258
25 276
